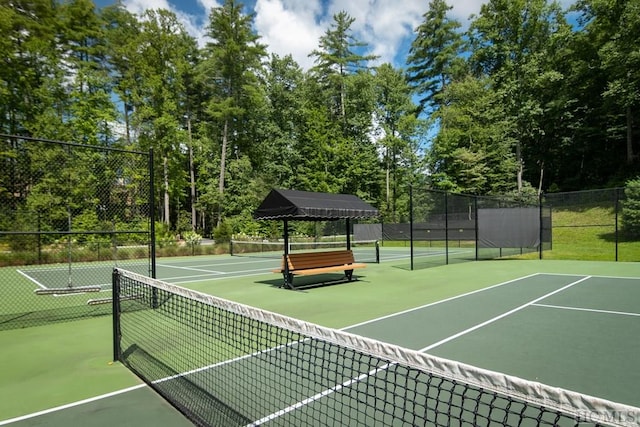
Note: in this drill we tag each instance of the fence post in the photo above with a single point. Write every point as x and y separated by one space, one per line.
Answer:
411 222
616 207
540 213
152 216
446 228
115 295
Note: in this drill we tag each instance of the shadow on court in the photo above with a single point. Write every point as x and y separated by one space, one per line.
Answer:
140 407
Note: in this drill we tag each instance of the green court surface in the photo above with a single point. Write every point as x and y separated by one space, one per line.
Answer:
567 324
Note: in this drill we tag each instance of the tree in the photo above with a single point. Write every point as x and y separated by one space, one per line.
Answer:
337 58
512 43
122 30
161 61
29 75
435 55
614 27
86 80
631 209
396 130
229 70
280 155
472 153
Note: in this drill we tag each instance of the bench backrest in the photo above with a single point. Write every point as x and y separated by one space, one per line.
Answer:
301 261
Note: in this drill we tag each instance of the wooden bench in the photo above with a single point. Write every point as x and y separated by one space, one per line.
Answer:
308 263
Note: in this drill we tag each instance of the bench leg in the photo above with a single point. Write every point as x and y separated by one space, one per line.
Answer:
288 280
349 274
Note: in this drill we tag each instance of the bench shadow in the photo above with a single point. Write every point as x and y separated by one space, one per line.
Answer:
302 283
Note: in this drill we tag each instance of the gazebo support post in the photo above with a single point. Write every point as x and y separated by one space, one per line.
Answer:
285 260
348 235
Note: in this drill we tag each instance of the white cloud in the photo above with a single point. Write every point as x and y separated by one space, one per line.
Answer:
295 26
194 23
139 6
289 27
463 9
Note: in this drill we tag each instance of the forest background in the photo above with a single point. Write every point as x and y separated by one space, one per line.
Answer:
521 102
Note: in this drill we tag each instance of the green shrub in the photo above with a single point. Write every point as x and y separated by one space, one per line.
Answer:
192 240
222 233
631 210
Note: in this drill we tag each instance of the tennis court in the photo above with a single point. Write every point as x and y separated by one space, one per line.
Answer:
570 330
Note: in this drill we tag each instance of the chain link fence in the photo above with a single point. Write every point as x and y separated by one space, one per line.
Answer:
589 225
69 213
446 228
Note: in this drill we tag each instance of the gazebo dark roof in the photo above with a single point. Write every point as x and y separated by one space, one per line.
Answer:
311 206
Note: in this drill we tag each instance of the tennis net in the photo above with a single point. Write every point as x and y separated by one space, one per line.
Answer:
226 364
363 250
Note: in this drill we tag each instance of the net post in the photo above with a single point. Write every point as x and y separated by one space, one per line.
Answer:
152 216
115 295
377 245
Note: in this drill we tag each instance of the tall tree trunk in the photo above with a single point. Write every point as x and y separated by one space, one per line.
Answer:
541 178
126 123
630 156
388 179
520 165
223 161
192 177
165 173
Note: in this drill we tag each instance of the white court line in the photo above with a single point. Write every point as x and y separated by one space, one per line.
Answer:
254 261
32 279
595 276
361 377
65 267
320 395
393 255
592 310
400 313
325 392
103 287
105 396
71 405
189 268
229 275
503 315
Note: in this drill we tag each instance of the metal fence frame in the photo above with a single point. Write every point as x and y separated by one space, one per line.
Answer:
48 269
457 213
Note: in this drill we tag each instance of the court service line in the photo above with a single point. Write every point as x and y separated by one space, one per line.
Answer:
226 276
189 268
502 316
325 392
375 371
71 405
217 264
595 276
400 313
592 310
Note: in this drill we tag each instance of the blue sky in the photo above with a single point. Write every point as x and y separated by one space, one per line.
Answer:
294 26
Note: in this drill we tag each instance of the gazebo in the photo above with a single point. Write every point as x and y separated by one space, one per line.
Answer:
294 205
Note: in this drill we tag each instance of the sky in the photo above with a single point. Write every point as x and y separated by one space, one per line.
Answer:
295 26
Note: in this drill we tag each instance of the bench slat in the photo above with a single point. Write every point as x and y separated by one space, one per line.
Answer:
308 263
328 269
